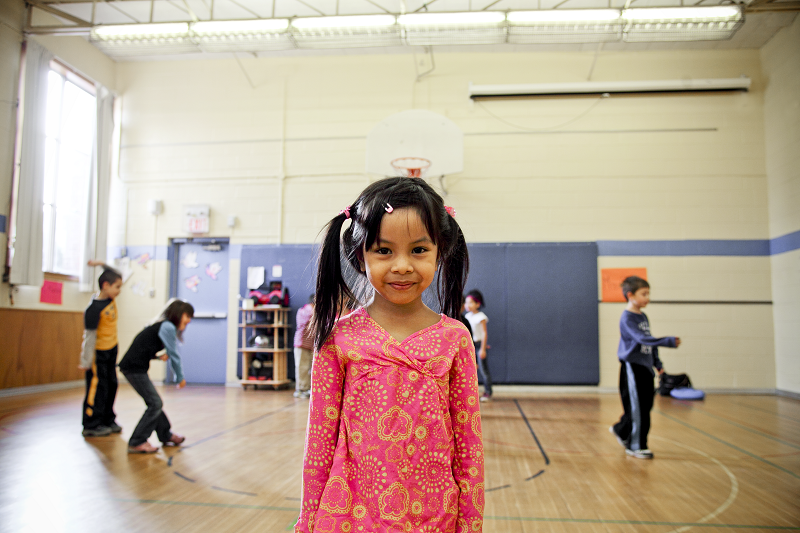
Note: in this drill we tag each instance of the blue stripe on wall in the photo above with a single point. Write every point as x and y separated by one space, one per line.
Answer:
2 223
683 248
785 243
754 247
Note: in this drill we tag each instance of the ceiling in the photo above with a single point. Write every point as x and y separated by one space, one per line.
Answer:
763 19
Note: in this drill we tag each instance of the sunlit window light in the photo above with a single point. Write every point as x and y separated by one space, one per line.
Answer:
436 19
364 21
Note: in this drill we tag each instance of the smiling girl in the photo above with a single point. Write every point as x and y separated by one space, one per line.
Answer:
394 432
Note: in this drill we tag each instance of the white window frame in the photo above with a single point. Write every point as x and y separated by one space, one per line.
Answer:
49 234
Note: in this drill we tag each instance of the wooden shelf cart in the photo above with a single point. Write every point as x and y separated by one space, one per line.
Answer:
276 357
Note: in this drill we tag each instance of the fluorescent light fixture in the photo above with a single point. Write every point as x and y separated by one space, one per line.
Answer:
240 26
140 30
456 19
682 13
593 88
563 15
358 21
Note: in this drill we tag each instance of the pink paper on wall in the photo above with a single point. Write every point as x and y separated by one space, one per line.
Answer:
51 292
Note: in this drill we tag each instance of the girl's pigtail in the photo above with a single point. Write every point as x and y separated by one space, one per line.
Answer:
455 268
331 287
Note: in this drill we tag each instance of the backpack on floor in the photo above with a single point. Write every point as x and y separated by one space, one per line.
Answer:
667 382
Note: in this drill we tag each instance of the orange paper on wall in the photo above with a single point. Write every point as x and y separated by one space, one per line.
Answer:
612 281
51 292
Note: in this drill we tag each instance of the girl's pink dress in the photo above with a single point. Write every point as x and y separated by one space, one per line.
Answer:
394 432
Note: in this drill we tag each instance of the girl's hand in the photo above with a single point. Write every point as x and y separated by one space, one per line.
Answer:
164 357
677 341
660 371
181 385
482 354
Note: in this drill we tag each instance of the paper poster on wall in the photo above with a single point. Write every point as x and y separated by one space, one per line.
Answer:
277 271
123 264
190 260
255 277
212 270
51 292
138 288
612 279
192 283
143 259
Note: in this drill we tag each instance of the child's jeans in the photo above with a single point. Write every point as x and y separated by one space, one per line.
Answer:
153 418
483 368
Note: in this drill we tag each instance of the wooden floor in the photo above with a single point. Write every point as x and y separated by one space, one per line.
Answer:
730 463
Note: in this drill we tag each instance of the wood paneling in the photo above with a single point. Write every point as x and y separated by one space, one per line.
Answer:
39 347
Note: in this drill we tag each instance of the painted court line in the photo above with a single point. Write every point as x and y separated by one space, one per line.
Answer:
738 449
190 480
234 428
234 491
749 429
773 413
525 418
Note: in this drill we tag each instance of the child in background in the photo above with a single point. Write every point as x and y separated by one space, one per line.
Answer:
638 354
303 349
99 356
162 334
478 320
394 431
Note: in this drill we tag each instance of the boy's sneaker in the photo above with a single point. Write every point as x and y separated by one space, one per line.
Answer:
115 428
621 441
144 447
640 454
99 431
304 395
486 397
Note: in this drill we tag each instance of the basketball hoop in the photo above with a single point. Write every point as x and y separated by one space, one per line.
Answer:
411 167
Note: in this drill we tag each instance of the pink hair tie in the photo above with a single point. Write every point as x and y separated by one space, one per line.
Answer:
450 211
389 208
345 212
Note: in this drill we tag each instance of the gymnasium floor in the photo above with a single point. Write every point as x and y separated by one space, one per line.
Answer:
730 463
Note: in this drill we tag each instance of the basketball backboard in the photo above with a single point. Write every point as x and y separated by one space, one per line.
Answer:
416 133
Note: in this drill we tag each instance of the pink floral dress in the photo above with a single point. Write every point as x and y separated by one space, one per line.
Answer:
394 432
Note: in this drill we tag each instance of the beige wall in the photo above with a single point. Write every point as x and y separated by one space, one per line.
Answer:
781 66
279 142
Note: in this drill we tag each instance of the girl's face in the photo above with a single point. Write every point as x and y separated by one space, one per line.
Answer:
471 305
185 319
402 262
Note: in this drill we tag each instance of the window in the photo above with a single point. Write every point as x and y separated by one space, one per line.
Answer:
71 110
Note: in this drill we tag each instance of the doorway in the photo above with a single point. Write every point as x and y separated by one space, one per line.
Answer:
199 275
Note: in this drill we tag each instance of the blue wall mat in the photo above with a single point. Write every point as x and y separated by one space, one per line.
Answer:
299 263
552 314
541 300
487 273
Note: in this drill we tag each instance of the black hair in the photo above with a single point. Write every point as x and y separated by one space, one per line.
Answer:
633 284
340 282
476 295
109 276
174 311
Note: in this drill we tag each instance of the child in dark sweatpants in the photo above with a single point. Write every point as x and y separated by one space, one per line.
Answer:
638 354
